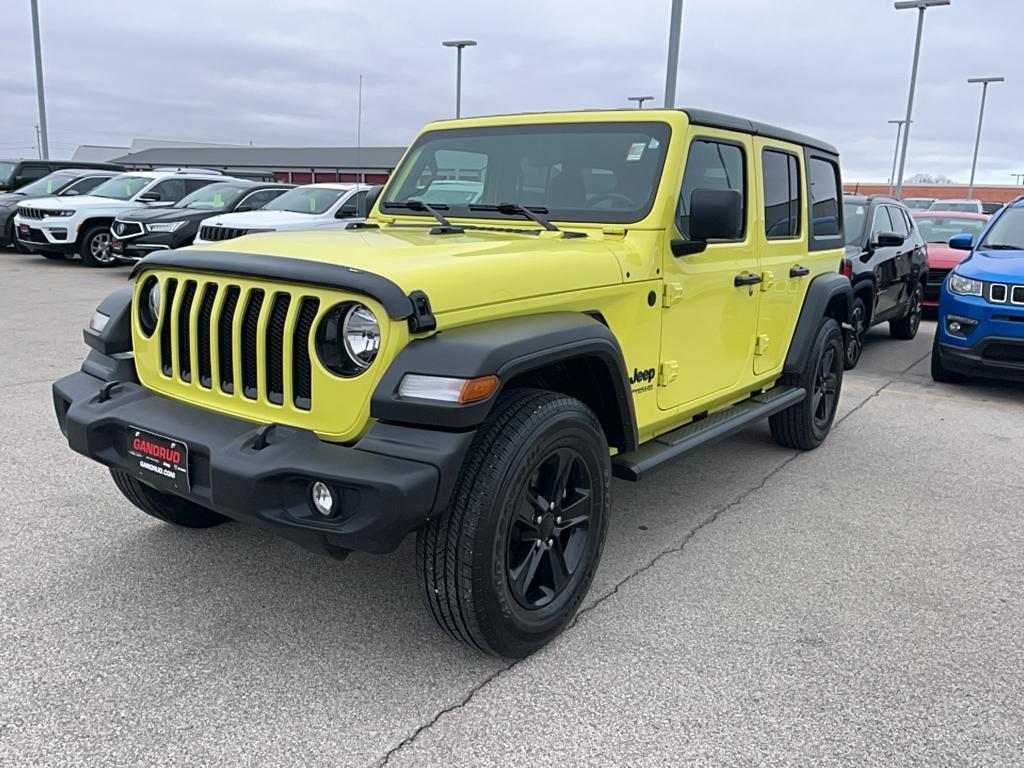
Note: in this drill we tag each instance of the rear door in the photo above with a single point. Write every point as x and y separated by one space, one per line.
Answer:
708 321
781 236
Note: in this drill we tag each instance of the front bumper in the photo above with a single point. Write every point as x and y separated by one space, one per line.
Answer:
994 348
993 357
51 237
388 483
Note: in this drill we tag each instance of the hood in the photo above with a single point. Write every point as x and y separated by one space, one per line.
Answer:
79 201
267 220
456 271
941 256
994 266
150 215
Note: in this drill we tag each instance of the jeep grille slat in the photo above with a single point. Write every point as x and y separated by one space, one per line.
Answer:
250 326
165 328
302 381
216 234
225 340
185 331
275 347
204 340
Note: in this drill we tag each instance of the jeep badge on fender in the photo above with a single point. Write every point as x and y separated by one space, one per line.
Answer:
477 360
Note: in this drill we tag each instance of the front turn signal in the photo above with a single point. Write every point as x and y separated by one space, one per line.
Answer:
448 389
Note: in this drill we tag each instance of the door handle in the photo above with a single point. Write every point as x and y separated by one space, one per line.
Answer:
746 279
799 271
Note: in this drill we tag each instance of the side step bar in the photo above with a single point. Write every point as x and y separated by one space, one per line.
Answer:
728 421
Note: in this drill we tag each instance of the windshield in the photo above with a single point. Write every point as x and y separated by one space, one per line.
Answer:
213 197
5 171
938 229
964 207
48 185
599 172
918 203
1007 231
853 220
312 200
121 187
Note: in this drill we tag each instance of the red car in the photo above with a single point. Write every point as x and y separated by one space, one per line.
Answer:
936 228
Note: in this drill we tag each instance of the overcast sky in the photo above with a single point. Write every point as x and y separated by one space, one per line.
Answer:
285 73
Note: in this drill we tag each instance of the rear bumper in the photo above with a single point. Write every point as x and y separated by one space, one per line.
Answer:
388 483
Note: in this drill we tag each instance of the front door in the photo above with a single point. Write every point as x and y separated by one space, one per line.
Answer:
882 260
709 315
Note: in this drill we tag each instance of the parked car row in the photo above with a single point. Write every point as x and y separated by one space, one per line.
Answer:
962 206
106 217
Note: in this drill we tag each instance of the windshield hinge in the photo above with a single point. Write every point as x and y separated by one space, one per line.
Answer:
613 231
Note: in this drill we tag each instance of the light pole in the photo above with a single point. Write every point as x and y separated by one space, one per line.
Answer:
639 100
895 152
674 30
458 45
1019 177
981 115
921 6
44 144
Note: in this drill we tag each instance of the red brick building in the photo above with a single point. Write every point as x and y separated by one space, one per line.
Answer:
989 193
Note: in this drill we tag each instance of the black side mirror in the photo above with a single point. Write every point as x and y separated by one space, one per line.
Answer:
347 211
149 197
372 197
715 214
888 240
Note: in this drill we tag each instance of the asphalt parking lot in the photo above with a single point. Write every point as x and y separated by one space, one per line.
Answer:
858 604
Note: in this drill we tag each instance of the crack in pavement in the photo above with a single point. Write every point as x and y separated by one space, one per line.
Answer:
674 549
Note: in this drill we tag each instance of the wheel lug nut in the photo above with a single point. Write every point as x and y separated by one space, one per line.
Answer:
558 520
551 507
538 519
551 542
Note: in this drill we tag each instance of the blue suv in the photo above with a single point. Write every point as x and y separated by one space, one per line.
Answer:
981 307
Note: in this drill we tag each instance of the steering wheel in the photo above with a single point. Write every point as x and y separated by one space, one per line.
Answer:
598 199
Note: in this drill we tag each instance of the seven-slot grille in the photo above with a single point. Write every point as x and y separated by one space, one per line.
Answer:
31 213
213 234
249 343
1001 293
126 228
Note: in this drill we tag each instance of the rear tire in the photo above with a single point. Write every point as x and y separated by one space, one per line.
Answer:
94 247
940 373
163 506
505 567
806 425
906 327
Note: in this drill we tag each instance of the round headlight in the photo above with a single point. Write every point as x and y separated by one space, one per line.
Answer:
149 306
348 339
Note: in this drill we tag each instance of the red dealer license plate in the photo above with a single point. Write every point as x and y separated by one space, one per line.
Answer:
117 246
160 461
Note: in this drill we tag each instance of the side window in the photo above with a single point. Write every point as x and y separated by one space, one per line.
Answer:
256 200
881 222
711 165
899 224
354 207
169 190
825 197
911 227
781 176
191 185
85 185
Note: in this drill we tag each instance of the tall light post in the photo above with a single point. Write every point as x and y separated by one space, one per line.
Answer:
895 152
981 116
674 30
458 45
44 144
639 100
921 6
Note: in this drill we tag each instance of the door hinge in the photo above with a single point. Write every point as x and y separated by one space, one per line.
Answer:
761 345
669 372
673 294
767 279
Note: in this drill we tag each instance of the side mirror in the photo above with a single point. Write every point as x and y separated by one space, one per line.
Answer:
962 242
372 197
347 211
888 240
715 214
70 193
149 197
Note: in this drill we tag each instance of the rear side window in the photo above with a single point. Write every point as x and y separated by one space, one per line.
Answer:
781 175
824 178
711 165
899 224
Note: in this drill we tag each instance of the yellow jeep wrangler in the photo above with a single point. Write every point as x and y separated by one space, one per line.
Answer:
537 303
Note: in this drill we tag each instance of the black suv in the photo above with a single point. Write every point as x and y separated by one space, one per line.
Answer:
62 183
15 174
887 262
139 232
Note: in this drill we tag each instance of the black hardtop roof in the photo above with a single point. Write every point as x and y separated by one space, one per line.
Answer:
732 123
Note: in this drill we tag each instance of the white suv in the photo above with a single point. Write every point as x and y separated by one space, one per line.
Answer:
311 206
59 227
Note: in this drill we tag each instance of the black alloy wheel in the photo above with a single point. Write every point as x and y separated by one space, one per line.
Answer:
826 388
855 336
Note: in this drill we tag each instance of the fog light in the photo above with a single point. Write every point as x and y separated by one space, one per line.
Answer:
323 499
960 327
99 321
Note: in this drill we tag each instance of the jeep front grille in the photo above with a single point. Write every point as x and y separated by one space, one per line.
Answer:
270 328
215 234
31 213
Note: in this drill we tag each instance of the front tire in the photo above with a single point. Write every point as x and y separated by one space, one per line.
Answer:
806 425
505 567
94 247
906 327
163 506
941 373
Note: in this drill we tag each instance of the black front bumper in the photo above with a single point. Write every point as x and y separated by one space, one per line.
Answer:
993 357
388 483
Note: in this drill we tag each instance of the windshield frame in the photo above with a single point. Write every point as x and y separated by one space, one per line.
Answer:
121 177
661 130
1015 210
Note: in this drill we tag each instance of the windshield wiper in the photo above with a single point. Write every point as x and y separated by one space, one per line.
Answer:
532 213
446 228
1001 247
